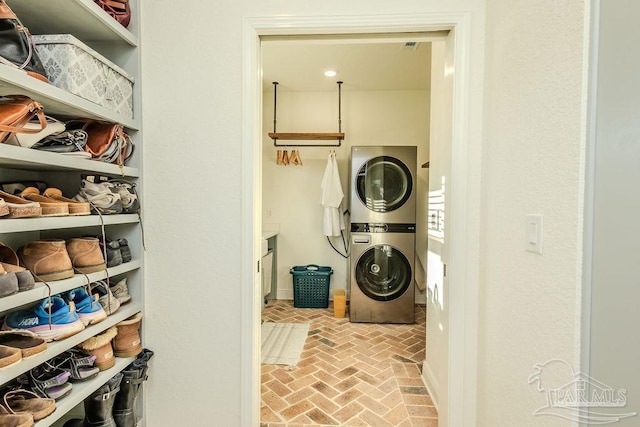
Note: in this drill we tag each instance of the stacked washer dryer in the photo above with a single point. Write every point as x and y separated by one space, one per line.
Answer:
383 225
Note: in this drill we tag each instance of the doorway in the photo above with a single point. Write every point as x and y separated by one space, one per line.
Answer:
252 152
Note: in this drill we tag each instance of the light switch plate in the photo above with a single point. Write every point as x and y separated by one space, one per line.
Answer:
534 233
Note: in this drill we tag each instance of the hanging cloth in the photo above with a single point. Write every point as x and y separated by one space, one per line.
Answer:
332 195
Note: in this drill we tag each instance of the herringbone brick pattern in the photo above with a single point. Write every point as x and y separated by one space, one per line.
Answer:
349 374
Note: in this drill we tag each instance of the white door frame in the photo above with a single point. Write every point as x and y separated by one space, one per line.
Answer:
463 301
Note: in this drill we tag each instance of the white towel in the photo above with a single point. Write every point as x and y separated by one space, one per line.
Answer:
332 195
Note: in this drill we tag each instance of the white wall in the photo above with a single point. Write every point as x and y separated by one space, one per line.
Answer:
530 146
291 194
192 68
532 163
614 347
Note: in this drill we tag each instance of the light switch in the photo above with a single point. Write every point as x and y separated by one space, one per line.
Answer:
534 233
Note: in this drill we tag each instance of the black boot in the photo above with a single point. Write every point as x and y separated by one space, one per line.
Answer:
98 408
124 411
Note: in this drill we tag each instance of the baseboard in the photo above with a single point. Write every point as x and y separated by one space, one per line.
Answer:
285 294
430 383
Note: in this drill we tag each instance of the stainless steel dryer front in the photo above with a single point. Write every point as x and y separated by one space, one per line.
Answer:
383 180
381 264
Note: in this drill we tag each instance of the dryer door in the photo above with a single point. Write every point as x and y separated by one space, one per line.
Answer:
383 273
384 184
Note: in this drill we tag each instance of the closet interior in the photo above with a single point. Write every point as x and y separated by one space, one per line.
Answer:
91 25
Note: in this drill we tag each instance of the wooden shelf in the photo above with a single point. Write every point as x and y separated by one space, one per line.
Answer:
309 136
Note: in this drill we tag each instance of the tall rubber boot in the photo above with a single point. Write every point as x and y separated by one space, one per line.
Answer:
98 407
124 408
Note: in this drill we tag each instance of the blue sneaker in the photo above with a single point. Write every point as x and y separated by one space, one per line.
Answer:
88 308
64 320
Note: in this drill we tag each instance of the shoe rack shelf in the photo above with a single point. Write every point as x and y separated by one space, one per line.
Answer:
82 390
89 23
28 159
57 102
57 347
83 18
18 225
40 291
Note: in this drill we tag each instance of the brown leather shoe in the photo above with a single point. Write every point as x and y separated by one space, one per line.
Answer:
46 259
86 255
127 342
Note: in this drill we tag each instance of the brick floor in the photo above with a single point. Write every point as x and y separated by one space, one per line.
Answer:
349 374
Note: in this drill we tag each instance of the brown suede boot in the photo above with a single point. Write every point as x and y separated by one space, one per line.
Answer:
100 346
86 255
127 342
46 259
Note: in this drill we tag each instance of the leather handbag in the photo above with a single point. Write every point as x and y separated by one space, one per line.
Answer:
28 140
72 141
16 46
106 142
16 111
118 9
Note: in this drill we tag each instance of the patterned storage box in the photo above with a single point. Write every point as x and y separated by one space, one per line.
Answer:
73 66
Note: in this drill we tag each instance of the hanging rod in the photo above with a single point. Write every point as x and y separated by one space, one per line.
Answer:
306 136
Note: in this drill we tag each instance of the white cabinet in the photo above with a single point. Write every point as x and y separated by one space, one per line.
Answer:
87 22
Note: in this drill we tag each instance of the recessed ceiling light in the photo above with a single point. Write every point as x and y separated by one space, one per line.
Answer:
330 73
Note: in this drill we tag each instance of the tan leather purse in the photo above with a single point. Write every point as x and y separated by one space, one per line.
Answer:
106 142
15 112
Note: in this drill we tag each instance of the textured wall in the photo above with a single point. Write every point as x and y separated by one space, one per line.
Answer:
529 305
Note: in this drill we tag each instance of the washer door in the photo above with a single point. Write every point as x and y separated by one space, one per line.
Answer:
383 273
384 184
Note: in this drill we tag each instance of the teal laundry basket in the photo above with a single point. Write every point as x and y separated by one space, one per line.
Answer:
311 286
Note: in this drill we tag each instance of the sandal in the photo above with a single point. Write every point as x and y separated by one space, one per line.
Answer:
27 342
79 366
9 356
47 382
49 206
75 207
4 209
25 401
19 207
9 419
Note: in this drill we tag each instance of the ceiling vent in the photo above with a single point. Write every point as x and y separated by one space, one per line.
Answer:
410 45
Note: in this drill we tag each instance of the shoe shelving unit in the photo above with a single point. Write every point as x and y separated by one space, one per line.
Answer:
90 24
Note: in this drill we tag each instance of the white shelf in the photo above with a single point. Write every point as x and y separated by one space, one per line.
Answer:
18 225
81 390
89 23
56 347
83 18
57 102
40 291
